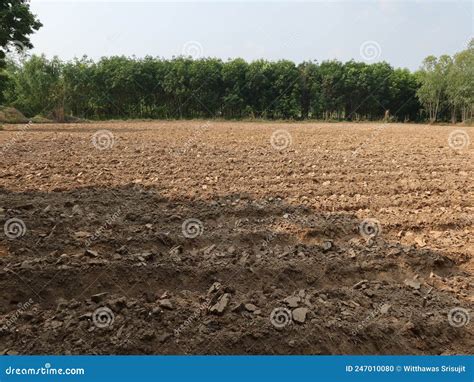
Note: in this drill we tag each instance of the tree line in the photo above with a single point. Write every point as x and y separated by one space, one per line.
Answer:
182 87
124 87
447 86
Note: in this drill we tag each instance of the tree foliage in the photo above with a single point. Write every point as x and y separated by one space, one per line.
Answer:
447 86
17 23
123 87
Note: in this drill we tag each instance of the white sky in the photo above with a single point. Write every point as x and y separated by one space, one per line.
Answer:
400 32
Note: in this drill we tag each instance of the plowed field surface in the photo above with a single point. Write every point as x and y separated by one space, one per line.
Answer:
215 237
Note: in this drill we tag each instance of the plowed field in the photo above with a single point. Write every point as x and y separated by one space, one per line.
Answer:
236 238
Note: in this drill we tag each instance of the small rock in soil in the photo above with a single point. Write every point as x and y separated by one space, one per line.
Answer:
385 308
91 253
214 288
299 315
164 337
415 284
166 304
221 304
327 245
292 301
359 284
81 234
251 307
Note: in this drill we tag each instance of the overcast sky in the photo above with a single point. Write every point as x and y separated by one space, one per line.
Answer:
400 32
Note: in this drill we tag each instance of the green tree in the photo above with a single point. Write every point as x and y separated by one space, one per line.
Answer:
332 89
234 74
460 84
434 80
38 87
16 25
310 90
404 104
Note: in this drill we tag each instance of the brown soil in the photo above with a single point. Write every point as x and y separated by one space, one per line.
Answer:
104 234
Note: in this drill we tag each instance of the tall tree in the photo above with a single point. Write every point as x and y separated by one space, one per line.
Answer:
460 84
16 25
434 82
38 87
310 85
